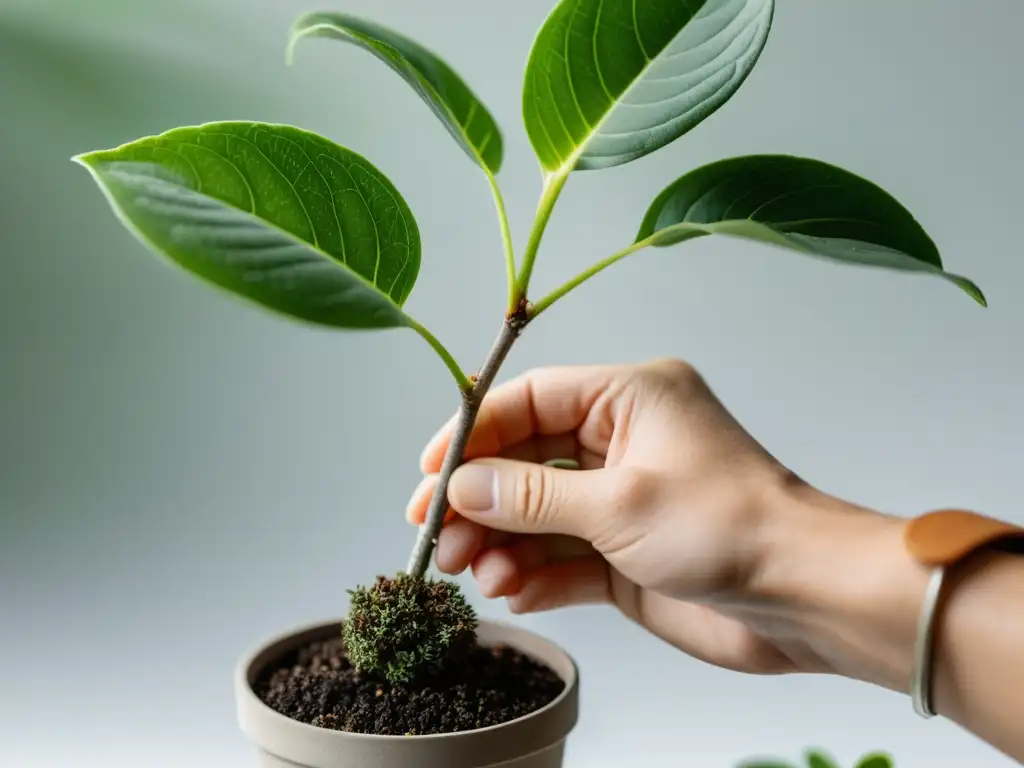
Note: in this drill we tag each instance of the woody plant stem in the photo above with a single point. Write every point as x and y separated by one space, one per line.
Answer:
516 319
472 399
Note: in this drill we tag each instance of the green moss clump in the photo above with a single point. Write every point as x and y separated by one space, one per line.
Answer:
404 628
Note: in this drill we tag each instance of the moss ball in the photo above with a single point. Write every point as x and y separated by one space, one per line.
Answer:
404 628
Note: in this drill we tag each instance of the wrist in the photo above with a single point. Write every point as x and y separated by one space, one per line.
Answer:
839 579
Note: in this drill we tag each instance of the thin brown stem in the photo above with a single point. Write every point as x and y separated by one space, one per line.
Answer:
426 539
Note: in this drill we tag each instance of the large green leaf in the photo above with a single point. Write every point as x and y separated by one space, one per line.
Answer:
451 99
801 204
609 81
278 216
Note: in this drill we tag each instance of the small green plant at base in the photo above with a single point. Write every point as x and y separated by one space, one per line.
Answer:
407 627
817 759
299 225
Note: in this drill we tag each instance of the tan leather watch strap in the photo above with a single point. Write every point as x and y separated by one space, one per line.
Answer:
947 536
940 540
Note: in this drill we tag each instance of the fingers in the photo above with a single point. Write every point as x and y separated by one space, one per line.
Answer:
541 449
498 571
540 573
522 497
416 510
547 401
458 544
580 581
535 449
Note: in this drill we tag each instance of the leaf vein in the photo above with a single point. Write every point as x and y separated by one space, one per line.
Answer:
366 204
291 185
639 38
789 193
568 67
597 59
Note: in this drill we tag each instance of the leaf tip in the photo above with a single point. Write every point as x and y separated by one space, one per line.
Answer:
88 160
971 289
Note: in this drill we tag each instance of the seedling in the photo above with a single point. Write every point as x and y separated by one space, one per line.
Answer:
816 759
299 225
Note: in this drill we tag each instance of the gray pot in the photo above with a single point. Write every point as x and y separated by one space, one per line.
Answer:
534 741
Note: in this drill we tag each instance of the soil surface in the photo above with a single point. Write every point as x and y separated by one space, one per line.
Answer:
319 686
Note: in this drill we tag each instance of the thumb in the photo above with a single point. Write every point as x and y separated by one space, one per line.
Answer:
522 497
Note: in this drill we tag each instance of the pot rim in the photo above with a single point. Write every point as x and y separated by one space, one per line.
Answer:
246 672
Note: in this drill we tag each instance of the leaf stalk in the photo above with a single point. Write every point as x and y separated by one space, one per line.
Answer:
553 186
506 239
464 382
582 277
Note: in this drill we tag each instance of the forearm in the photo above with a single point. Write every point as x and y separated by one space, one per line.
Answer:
979 676
847 594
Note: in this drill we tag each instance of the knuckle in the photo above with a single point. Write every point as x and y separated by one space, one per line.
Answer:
633 490
675 374
633 500
675 370
532 496
672 366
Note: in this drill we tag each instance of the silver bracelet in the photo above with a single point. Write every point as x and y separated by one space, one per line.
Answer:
921 674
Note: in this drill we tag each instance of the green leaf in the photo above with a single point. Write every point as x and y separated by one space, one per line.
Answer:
820 760
876 760
275 215
450 98
610 81
800 204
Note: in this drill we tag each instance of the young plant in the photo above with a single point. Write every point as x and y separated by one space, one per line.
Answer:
816 759
297 224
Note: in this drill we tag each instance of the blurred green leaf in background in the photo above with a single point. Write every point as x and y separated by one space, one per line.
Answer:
74 75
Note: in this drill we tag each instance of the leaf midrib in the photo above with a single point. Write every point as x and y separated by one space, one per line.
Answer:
310 163
570 163
797 241
713 227
433 92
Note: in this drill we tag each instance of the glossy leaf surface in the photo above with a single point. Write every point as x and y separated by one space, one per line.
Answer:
610 81
445 92
801 204
278 216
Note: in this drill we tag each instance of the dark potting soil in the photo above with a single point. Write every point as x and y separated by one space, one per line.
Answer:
319 686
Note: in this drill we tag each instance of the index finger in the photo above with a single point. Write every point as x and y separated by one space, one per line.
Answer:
544 401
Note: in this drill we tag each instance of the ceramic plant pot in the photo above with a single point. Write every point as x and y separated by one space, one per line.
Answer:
534 741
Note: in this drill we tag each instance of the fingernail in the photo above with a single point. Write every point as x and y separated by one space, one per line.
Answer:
427 482
474 489
417 495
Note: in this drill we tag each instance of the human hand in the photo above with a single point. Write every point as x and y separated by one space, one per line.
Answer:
667 518
685 523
